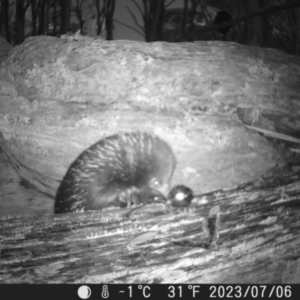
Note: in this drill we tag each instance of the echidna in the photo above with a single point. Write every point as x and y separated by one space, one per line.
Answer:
118 170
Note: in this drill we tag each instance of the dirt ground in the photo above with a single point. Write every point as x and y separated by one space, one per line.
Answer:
16 199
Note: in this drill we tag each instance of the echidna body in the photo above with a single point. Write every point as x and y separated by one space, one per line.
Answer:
116 171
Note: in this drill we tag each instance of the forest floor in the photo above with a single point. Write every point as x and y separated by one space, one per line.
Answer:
16 199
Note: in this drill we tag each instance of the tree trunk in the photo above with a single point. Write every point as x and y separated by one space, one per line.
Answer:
65 15
20 22
33 16
109 19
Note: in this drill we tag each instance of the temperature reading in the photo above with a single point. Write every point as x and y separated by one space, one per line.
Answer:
130 291
146 291
173 290
195 289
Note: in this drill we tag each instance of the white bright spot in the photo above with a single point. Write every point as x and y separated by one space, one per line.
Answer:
180 196
84 292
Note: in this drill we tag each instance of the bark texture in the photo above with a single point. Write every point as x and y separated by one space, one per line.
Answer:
259 241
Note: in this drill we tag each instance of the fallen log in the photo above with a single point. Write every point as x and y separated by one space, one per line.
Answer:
56 103
59 96
259 240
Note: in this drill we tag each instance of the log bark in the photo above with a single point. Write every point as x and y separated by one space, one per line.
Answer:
259 240
59 96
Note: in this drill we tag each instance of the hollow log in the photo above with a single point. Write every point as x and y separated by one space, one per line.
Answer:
258 240
60 95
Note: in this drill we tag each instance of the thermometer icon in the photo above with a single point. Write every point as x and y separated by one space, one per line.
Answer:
105 293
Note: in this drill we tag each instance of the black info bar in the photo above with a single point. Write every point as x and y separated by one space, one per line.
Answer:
150 291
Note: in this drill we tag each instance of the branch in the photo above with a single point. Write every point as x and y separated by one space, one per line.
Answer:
130 27
134 18
171 2
139 8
